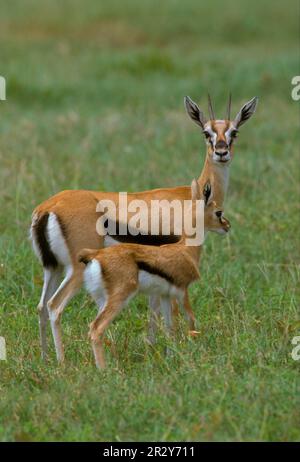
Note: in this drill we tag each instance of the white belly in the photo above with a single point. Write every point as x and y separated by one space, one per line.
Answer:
155 285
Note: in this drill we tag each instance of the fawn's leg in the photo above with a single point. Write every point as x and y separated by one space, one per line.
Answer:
189 313
105 316
52 277
166 308
68 288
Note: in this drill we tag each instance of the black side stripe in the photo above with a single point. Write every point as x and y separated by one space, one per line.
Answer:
40 230
143 239
153 270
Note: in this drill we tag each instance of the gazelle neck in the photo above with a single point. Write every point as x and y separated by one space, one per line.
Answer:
218 175
194 251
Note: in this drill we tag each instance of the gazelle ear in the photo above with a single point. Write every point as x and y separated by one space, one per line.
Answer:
246 112
195 188
194 112
207 193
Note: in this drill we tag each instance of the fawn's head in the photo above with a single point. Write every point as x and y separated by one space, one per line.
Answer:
213 215
220 134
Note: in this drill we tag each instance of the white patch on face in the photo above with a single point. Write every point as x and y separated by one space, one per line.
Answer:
213 135
57 241
224 161
220 230
212 142
226 158
228 135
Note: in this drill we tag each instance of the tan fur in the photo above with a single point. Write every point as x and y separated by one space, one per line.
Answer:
76 211
120 270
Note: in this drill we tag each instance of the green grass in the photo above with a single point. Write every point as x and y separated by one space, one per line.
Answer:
95 100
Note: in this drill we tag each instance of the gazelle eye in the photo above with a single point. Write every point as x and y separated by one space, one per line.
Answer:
219 213
234 134
206 134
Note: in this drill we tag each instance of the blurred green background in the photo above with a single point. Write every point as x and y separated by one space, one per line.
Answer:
95 100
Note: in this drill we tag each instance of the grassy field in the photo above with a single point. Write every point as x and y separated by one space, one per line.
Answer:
95 100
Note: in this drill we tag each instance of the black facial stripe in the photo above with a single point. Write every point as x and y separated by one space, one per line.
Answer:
232 136
208 137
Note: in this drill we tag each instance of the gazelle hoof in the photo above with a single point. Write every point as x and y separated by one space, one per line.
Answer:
194 333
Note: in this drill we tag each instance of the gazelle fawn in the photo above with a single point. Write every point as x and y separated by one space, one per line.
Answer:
115 274
66 222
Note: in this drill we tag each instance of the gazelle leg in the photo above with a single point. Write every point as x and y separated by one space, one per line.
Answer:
175 312
154 303
166 309
52 278
105 316
188 311
56 305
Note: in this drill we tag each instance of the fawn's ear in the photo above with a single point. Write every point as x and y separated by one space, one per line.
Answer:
207 193
194 112
246 112
195 189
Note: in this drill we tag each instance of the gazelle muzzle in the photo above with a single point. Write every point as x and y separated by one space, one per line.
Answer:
221 152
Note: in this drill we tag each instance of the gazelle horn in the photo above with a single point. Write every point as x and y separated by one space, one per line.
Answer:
210 108
229 107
